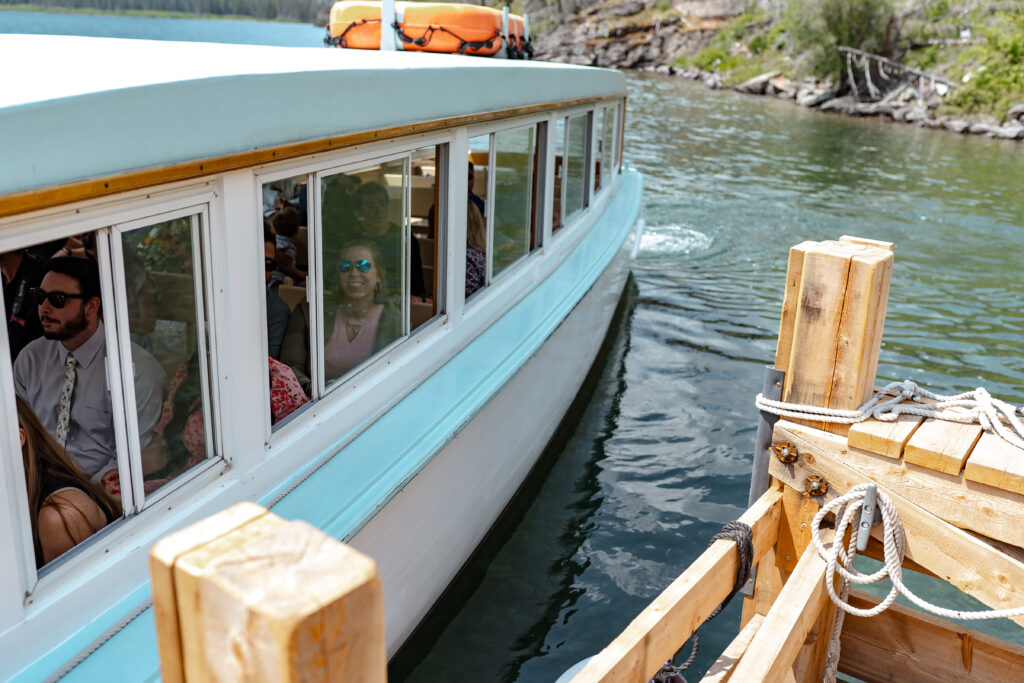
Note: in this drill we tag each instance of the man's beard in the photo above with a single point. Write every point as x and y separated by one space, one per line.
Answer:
69 329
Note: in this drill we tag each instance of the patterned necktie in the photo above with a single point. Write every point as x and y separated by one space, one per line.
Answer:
64 416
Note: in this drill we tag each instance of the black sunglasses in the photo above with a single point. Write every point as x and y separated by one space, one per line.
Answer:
270 264
56 299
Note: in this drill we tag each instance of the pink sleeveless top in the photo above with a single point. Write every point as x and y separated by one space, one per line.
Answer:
340 354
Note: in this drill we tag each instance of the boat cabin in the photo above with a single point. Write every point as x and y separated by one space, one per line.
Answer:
401 204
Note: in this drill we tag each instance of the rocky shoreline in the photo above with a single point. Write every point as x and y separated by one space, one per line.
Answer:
904 105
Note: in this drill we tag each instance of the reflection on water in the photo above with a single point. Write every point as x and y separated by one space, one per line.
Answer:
660 457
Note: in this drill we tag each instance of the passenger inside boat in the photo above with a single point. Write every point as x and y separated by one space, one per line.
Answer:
364 320
67 507
277 309
20 272
476 249
63 375
285 224
372 205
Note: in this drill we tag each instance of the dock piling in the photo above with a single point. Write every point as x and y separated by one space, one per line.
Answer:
245 595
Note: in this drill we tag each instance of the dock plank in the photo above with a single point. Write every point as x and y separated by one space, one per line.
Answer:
941 445
996 463
885 438
776 644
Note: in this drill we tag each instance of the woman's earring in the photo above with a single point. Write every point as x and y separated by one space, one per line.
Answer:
376 288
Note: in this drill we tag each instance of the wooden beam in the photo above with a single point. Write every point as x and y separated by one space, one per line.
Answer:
658 632
265 599
794 528
721 670
986 510
776 644
902 644
941 445
790 301
996 463
767 586
954 555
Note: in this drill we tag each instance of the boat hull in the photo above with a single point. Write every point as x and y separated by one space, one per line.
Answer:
424 535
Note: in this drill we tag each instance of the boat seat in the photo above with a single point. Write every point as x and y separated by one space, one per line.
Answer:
419 313
426 251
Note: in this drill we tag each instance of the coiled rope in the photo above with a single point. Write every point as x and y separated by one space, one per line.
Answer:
841 560
978 406
743 536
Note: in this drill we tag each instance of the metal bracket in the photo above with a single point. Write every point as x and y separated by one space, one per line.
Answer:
772 388
748 587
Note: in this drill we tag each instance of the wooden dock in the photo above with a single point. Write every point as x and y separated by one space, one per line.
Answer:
247 596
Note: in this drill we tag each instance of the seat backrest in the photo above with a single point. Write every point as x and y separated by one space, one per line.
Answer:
426 250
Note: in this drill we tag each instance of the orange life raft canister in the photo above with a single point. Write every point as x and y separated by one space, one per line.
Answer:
429 27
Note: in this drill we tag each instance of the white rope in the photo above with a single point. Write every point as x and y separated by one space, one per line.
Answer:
841 560
894 542
970 407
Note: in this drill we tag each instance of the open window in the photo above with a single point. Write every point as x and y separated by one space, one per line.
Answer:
503 181
111 366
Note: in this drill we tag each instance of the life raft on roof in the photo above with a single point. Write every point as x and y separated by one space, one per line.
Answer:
432 27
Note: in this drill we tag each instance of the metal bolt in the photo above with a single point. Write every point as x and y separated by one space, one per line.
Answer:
785 451
815 485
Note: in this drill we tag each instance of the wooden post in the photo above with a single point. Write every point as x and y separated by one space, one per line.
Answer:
829 340
832 320
245 595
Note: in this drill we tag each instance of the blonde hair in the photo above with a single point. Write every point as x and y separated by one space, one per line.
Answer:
476 228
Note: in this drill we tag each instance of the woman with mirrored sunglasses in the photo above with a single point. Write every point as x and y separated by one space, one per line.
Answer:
362 321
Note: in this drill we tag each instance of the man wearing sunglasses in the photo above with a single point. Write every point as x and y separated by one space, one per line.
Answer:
63 375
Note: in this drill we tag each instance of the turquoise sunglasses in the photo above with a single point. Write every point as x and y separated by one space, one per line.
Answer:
362 265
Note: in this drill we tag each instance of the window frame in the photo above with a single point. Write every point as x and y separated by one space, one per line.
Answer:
118 336
539 175
315 167
39 586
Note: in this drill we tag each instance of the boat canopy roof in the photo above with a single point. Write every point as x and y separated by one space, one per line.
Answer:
75 108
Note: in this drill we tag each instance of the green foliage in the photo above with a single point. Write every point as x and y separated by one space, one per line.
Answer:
663 5
994 69
864 24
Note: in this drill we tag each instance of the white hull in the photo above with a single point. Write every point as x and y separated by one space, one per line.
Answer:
424 535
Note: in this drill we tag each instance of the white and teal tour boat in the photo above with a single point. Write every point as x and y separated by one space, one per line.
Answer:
445 239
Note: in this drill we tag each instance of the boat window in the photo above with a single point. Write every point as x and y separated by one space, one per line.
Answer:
164 304
82 350
367 270
607 144
429 226
477 267
575 174
286 270
513 196
557 219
